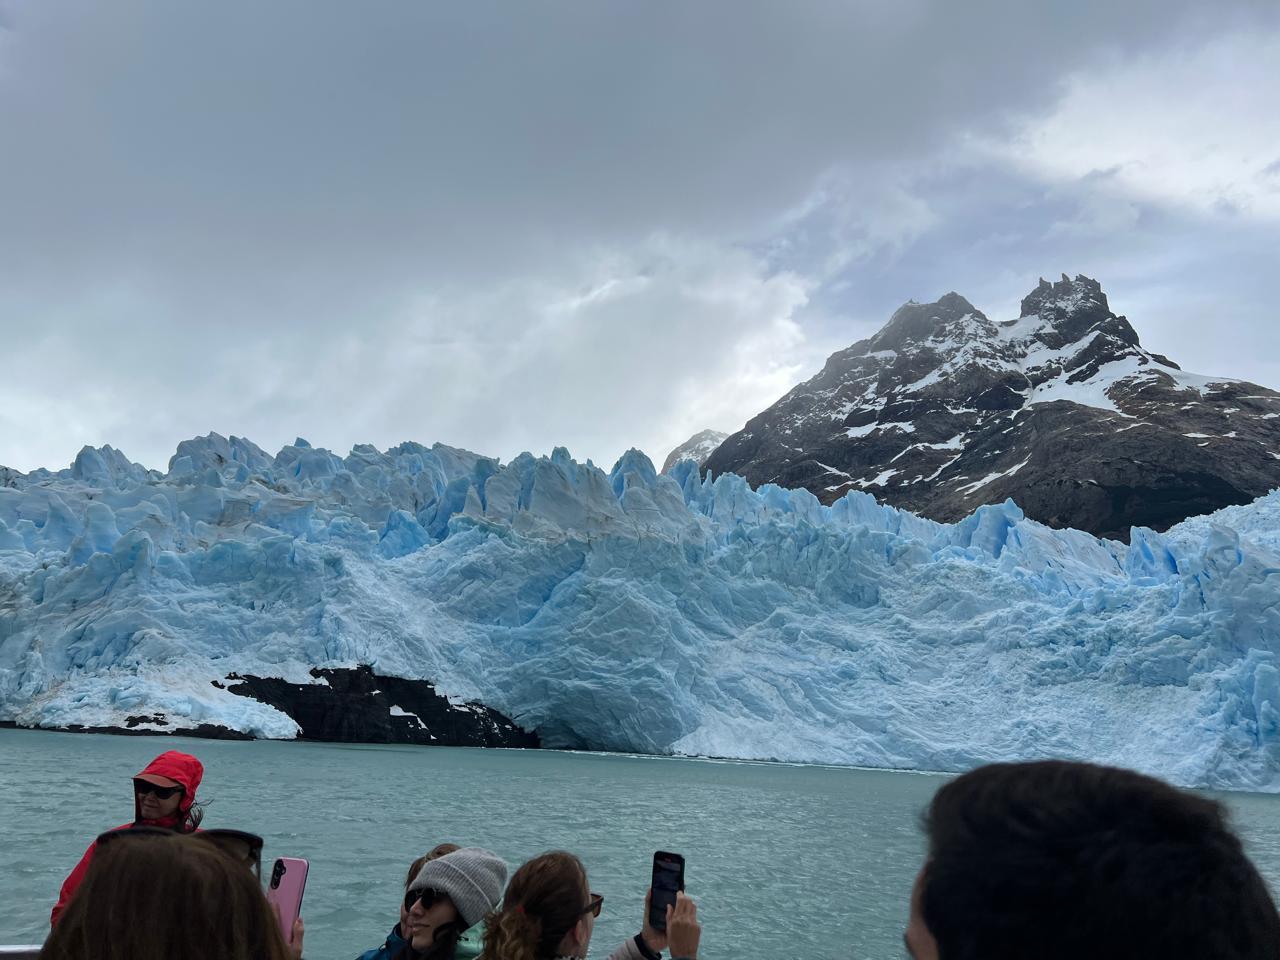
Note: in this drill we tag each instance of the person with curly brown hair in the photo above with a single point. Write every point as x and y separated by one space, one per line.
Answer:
549 913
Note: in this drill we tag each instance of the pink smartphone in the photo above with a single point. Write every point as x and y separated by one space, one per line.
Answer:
284 892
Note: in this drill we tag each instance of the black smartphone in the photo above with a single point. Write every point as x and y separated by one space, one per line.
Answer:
668 880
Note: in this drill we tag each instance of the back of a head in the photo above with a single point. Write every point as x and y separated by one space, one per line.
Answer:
543 902
1071 860
160 897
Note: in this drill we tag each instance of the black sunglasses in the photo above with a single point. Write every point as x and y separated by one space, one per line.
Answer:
428 897
241 846
143 787
595 906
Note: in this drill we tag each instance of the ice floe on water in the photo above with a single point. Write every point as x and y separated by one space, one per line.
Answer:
635 611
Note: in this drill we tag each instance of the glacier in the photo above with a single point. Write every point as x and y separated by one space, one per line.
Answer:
636 611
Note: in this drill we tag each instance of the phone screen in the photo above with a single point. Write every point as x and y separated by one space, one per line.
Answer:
668 879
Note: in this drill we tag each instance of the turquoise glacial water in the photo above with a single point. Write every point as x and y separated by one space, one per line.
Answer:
784 861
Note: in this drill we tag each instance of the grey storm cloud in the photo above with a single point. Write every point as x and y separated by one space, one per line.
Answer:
509 225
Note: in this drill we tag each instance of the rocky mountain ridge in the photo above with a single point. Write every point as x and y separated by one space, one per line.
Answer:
1062 409
697 448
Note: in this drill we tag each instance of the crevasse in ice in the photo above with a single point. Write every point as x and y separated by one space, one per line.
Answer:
635 611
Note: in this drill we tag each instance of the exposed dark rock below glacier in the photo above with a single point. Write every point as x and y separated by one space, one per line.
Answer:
358 706
348 705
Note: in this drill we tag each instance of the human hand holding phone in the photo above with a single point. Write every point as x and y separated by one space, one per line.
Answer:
683 929
667 881
655 939
284 893
295 942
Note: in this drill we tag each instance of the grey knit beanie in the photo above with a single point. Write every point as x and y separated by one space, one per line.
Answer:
473 879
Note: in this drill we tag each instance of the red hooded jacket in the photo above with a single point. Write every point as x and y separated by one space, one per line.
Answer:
180 767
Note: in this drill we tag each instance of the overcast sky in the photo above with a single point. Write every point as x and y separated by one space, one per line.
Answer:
511 226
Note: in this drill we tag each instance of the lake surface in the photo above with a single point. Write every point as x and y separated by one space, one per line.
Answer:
784 861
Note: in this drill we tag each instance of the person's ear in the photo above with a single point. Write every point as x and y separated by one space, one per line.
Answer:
580 932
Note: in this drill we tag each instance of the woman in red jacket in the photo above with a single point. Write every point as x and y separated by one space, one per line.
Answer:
164 795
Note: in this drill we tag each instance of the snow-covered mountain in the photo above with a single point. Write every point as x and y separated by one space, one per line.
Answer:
1062 410
697 448
631 610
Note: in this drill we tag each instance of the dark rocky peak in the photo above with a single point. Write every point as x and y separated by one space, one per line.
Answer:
1066 329
949 319
1071 310
1051 300
1061 409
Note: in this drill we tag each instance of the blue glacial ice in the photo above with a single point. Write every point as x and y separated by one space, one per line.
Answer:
634 611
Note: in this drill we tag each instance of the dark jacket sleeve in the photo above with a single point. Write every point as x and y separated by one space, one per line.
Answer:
72 883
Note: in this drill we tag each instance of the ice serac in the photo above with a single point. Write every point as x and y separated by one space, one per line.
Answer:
631 610
1061 409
